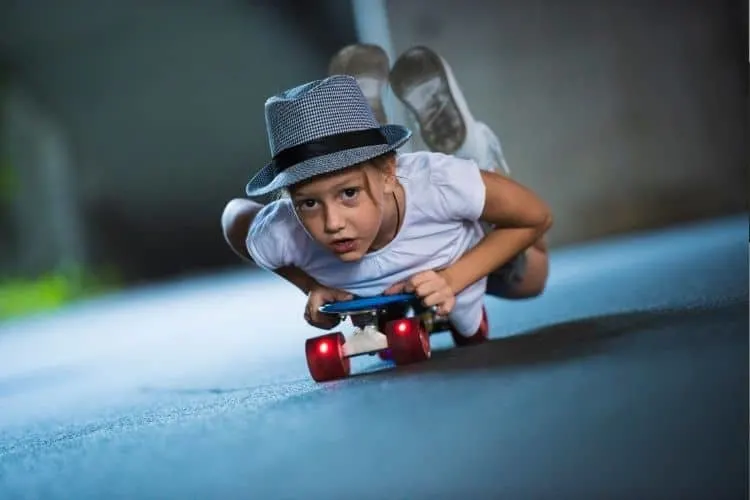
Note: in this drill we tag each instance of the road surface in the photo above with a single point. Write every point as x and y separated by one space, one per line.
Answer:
627 379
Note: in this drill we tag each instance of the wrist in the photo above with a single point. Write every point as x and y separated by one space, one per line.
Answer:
454 284
309 285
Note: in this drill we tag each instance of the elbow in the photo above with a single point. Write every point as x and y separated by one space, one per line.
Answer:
236 219
546 221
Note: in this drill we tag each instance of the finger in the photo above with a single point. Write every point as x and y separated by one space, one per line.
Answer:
440 299
412 283
331 295
443 310
315 301
421 277
433 299
444 307
428 288
342 295
447 306
395 288
324 321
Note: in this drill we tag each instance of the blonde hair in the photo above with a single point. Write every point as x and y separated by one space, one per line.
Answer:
380 162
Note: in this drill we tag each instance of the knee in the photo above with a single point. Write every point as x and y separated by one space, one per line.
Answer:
523 278
537 274
533 288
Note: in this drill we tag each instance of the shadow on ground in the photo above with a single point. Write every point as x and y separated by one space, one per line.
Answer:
583 338
560 343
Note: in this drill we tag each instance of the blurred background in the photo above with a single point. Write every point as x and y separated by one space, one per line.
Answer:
126 126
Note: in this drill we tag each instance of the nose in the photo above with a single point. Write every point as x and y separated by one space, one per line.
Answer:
334 221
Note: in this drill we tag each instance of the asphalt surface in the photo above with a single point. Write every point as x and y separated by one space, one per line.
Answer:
627 379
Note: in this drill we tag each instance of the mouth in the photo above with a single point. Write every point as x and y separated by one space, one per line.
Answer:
344 245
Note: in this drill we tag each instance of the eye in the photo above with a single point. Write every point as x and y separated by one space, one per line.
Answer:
349 193
307 204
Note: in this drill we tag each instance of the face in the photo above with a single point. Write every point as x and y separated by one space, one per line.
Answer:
345 211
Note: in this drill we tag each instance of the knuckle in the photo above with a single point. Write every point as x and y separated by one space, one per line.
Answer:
430 300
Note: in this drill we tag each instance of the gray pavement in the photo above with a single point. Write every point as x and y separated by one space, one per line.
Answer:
627 379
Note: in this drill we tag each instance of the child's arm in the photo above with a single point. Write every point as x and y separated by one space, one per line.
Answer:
298 278
236 219
317 295
521 218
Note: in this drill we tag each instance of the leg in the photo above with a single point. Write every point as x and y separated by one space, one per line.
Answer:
524 277
482 334
425 83
369 65
235 223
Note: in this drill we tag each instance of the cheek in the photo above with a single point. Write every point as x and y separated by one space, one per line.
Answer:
313 225
372 219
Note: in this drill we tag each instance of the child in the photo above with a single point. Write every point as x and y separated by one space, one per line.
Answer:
424 82
355 218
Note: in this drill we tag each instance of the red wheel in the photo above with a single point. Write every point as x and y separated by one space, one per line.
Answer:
325 357
408 341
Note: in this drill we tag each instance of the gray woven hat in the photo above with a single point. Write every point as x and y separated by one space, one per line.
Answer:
317 128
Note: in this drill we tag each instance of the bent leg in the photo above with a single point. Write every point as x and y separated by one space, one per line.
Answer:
369 65
235 223
424 82
523 277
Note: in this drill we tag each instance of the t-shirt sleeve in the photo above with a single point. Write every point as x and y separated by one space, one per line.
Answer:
460 191
276 238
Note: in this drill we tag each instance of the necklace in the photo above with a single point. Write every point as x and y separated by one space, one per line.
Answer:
398 215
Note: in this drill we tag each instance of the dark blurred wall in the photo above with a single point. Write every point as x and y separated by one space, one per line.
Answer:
134 122
160 106
623 114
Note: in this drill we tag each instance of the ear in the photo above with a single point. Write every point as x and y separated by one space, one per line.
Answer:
389 175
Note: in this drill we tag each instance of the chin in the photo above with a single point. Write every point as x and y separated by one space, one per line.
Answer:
349 257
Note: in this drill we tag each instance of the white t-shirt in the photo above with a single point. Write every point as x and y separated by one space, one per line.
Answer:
444 200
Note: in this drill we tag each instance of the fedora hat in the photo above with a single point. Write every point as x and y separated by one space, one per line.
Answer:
318 128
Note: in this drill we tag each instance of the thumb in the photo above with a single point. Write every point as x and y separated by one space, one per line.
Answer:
342 295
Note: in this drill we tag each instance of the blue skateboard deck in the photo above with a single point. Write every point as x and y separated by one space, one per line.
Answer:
366 304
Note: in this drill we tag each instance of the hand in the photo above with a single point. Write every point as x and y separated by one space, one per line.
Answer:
319 296
431 287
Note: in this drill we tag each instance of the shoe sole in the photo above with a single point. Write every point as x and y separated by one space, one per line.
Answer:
420 81
369 65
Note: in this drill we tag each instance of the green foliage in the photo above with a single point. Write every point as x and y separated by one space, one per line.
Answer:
19 296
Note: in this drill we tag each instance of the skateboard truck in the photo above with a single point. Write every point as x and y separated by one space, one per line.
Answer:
407 338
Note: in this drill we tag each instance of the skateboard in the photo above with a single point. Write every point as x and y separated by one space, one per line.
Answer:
396 327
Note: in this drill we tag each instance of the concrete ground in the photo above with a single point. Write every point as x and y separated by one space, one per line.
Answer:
627 379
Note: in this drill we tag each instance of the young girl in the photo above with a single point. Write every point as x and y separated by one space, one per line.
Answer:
356 219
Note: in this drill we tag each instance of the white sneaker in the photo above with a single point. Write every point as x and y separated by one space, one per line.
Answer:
483 146
424 82
369 65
